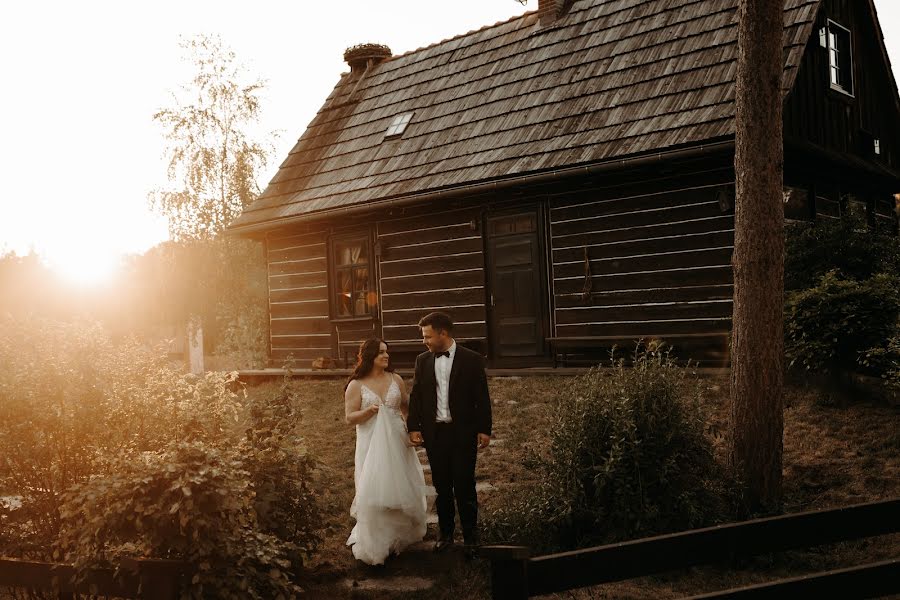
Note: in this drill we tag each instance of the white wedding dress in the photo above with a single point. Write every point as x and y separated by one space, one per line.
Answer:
390 503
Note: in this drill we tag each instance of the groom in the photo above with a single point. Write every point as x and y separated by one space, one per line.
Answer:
450 413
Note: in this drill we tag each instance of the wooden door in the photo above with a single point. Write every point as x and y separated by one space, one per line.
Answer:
516 288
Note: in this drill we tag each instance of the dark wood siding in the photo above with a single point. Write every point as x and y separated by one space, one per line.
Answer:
833 120
298 296
659 256
432 261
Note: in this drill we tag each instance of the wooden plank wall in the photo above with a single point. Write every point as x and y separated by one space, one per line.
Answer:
298 296
660 260
432 261
832 119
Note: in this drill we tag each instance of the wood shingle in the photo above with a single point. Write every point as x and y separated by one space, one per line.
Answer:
609 79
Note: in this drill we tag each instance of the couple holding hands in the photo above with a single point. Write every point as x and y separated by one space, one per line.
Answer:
448 411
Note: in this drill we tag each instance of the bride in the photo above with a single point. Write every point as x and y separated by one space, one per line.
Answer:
390 503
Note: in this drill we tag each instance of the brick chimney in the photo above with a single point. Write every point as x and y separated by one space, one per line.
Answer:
362 56
550 10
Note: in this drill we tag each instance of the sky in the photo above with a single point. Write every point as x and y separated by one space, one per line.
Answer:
81 81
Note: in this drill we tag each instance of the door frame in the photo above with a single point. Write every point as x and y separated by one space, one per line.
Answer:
541 275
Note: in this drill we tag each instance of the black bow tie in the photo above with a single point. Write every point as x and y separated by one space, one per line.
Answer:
440 354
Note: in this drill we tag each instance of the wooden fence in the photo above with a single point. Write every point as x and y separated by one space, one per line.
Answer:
516 575
148 579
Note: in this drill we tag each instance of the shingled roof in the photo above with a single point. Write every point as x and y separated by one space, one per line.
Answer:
611 78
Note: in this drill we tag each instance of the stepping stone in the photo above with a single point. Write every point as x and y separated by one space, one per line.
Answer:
511 402
431 519
484 486
426 468
496 443
390 584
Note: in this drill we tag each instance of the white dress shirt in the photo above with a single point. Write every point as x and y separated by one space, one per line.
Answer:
442 367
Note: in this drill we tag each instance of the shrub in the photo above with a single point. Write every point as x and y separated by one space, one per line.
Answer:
627 457
814 249
192 501
103 428
885 361
282 472
829 326
52 413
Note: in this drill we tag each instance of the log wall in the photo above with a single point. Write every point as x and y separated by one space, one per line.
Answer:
432 261
298 296
659 256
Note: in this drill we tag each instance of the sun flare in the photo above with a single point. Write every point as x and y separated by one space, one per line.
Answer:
85 266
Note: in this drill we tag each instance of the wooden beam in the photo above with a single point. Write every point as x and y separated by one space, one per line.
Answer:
864 581
616 562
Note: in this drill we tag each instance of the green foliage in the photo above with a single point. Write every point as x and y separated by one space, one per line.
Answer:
51 414
213 158
275 455
222 280
101 440
214 162
828 327
191 501
885 360
627 457
814 249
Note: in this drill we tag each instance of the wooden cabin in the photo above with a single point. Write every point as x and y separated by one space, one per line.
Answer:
561 181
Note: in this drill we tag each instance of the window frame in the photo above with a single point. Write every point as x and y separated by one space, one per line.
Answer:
398 125
810 210
364 236
837 87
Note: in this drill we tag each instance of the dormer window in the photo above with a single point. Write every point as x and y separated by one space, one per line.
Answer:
836 39
398 125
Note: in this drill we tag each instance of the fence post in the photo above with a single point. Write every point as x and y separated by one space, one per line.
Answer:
509 571
160 579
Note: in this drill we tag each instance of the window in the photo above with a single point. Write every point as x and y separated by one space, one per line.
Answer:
797 206
352 292
398 125
840 57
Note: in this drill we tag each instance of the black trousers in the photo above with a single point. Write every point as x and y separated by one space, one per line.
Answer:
451 455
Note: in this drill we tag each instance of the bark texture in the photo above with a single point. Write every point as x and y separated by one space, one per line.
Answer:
757 347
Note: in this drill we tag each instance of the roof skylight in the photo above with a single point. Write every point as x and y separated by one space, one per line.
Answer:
398 125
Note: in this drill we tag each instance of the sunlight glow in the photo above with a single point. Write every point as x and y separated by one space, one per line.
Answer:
86 266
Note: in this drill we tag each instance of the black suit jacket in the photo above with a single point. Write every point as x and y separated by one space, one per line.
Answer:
470 402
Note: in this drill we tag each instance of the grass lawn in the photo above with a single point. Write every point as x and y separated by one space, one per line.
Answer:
832 457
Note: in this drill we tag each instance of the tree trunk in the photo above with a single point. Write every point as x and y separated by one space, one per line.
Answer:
757 345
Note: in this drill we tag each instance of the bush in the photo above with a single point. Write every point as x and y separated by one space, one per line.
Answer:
281 471
52 413
885 361
192 501
89 427
627 457
828 327
814 249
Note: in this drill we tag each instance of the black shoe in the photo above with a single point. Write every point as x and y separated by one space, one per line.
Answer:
444 543
471 543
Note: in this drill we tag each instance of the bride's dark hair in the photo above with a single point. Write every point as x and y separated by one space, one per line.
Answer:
365 358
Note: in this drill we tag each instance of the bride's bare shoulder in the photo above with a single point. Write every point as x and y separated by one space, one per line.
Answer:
353 388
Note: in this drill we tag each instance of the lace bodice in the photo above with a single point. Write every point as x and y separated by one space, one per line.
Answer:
392 399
